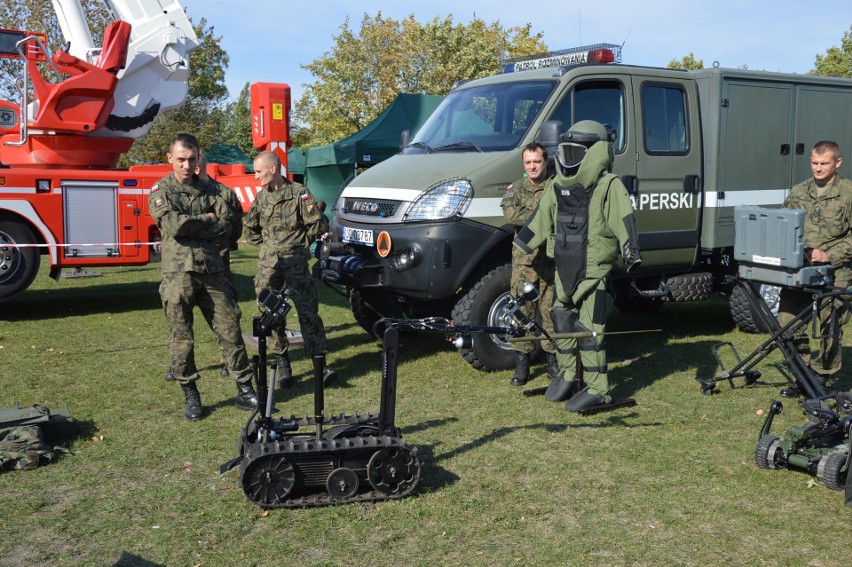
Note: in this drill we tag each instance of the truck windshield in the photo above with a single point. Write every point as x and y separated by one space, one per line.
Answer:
488 118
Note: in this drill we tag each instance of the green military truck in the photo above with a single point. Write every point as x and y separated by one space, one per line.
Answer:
422 233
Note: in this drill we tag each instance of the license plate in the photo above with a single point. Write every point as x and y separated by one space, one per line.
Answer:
357 235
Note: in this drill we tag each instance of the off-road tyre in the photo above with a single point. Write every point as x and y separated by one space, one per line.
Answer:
18 266
743 313
829 470
690 287
364 309
481 305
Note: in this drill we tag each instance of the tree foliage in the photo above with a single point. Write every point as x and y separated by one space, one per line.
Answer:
365 70
202 114
238 125
687 62
837 61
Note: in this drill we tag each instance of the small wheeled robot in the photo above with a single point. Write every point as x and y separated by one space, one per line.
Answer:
321 460
821 447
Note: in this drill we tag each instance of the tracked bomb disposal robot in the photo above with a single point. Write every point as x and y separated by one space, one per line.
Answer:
321 460
769 248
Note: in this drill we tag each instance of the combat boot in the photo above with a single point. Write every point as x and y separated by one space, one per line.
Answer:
522 369
192 402
246 396
170 376
552 366
285 373
224 373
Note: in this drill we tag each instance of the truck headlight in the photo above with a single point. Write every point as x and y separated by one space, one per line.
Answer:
446 199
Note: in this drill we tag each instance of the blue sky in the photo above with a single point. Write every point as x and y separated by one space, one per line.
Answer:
268 40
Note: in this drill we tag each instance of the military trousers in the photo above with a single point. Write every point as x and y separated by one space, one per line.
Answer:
590 314
306 300
180 292
793 301
540 274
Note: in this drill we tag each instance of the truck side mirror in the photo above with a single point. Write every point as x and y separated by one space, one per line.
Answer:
404 138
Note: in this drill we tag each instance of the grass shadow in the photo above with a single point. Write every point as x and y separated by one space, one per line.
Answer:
46 304
610 421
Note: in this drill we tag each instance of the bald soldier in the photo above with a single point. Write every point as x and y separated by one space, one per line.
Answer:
283 221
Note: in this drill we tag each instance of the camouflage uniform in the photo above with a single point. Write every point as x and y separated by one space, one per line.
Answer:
587 223
194 274
284 221
828 227
226 245
236 209
23 448
518 204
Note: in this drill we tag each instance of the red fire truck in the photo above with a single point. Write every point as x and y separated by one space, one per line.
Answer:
60 194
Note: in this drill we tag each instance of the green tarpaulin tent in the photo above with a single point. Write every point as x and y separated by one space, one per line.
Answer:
228 153
328 167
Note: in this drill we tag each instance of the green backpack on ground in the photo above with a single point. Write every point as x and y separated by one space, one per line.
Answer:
22 445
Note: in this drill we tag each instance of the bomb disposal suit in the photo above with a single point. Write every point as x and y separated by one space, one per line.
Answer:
587 223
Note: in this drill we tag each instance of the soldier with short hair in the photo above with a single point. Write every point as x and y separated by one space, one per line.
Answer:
518 204
826 199
192 218
283 221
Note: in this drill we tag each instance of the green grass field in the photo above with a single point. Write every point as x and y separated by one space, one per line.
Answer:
506 479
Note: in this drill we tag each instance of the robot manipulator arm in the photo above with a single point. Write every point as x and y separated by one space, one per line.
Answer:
274 305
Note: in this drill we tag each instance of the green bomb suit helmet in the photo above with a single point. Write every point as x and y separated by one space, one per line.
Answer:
576 142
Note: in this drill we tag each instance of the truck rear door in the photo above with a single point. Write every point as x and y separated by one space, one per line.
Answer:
667 189
822 113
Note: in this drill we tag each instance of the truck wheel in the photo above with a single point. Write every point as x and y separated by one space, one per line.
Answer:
18 266
742 312
364 310
829 470
690 287
484 304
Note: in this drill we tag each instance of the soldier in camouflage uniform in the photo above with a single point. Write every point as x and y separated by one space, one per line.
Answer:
226 245
192 219
587 221
826 199
284 220
536 268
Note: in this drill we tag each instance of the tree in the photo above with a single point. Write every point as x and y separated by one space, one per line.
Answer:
202 114
38 16
688 63
364 72
238 123
837 61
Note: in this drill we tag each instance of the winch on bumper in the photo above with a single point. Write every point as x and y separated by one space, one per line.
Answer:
421 261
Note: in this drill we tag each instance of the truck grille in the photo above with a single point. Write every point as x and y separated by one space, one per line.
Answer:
369 207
